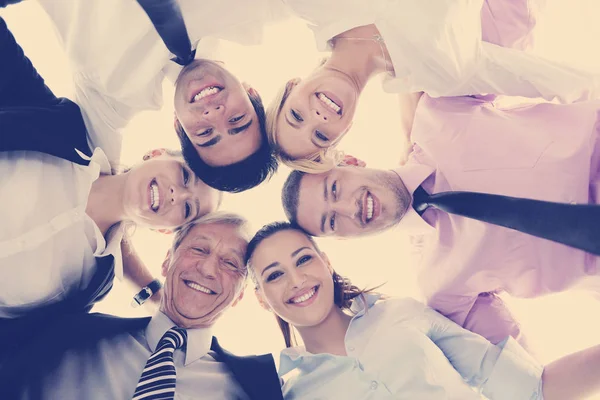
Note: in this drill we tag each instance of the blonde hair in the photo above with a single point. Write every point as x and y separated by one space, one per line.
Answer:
317 163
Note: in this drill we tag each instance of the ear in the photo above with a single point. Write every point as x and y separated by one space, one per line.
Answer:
240 296
349 160
165 264
261 299
326 259
165 231
291 83
154 153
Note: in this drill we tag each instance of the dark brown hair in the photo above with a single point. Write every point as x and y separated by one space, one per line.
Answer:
343 289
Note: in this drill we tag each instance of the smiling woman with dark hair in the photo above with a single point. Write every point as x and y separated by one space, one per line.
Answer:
359 344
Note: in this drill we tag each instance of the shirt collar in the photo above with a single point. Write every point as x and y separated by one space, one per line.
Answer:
99 164
292 357
198 339
413 175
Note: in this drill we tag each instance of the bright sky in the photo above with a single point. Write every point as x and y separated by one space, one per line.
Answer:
556 325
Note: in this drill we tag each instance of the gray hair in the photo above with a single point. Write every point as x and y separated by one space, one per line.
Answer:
219 217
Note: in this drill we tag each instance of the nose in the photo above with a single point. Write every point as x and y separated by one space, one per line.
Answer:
297 278
212 112
178 194
209 267
347 209
319 115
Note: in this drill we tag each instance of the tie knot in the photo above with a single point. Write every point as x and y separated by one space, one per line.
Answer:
174 337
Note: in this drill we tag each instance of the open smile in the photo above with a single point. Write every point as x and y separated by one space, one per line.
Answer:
154 195
198 287
305 298
331 102
205 92
370 208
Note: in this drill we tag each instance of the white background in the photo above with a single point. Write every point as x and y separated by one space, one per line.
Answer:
555 325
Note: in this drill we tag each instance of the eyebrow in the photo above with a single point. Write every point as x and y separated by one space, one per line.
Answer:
276 263
211 142
197 199
324 217
240 129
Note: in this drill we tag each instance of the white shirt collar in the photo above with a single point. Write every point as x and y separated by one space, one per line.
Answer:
413 175
99 164
198 339
292 357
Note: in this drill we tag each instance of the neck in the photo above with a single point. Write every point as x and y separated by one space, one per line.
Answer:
358 55
105 202
329 335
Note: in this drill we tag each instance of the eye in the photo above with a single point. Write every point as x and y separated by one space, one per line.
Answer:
296 116
321 136
274 275
201 250
236 119
205 132
188 210
186 175
231 264
303 260
332 222
334 190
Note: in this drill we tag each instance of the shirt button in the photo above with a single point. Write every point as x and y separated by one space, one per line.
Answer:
350 348
374 385
573 202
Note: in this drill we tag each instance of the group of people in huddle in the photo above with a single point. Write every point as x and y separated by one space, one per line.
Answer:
505 198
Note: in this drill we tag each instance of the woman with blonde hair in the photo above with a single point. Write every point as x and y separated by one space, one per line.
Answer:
361 345
449 48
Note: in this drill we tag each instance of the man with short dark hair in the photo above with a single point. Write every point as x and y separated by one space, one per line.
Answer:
119 72
173 353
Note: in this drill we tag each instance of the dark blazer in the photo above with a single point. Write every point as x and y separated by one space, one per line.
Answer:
42 353
31 116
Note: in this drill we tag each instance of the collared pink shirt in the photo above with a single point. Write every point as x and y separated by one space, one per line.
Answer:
545 151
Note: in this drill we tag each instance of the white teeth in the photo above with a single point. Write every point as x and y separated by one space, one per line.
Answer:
304 297
207 92
329 103
369 207
197 287
155 196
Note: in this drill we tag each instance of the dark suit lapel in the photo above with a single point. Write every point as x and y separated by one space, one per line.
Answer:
256 375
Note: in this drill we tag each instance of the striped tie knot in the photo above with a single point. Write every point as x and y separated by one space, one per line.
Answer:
159 376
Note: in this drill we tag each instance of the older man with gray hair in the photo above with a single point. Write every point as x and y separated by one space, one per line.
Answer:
173 353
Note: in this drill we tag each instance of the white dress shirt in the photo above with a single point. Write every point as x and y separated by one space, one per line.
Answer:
119 61
401 349
48 243
111 368
436 47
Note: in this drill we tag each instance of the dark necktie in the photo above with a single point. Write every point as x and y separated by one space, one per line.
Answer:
168 22
575 225
159 376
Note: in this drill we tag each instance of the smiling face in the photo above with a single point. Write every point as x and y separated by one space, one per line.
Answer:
294 279
205 275
351 201
162 192
318 112
216 114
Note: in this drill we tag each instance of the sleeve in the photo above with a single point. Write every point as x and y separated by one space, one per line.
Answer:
485 314
440 50
501 372
510 23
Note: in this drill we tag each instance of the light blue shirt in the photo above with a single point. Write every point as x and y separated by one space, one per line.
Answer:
112 367
400 348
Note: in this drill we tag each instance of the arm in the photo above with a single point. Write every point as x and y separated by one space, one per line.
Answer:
574 376
135 270
486 315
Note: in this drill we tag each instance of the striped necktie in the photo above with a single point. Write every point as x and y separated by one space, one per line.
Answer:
159 376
